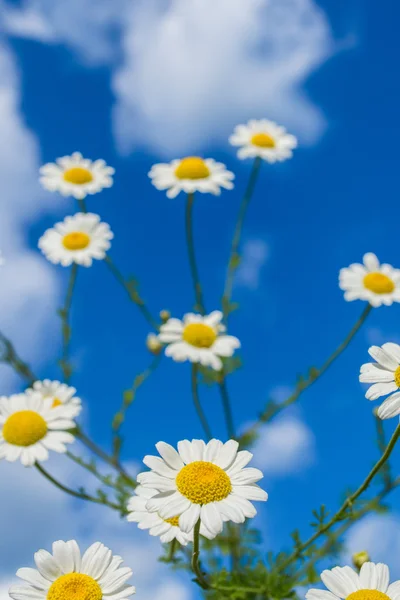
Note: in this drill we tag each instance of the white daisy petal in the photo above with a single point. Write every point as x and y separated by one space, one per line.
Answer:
390 407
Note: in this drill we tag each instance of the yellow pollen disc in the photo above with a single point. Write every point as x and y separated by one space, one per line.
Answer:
76 240
192 167
263 140
173 521
199 335
379 283
75 586
397 377
78 176
24 428
202 482
367 595
56 402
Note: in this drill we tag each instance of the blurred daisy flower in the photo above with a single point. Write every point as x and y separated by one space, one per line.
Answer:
377 284
264 139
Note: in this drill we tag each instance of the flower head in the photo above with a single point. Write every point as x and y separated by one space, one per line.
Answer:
206 481
377 284
198 339
66 575
153 344
78 239
385 377
76 176
264 139
166 529
191 174
30 427
372 583
59 393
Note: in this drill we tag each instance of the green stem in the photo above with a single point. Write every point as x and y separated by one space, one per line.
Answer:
82 205
346 504
273 409
9 356
380 434
195 558
197 404
192 256
172 550
227 409
132 292
234 256
66 328
75 494
91 468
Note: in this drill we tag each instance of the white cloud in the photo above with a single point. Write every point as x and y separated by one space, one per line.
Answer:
185 73
254 256
286 446
379 535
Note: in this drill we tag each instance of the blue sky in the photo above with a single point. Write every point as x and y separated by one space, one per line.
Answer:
91 77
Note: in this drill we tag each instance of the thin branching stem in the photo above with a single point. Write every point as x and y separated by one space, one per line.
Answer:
196 558
192 255
8 355
197 404
226 404
65 324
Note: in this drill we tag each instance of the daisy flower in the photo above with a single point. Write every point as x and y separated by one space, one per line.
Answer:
191 174
385 377
66 575
78 239
166 529
76 176
59 393
372 583
377 284
264 139
30 427
198 339
206 481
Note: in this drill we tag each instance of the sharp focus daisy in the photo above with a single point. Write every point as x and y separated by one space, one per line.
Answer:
78 239
30 427
59 393
384 374
166 529
372 583
206 481
199 339
76 176
264 139
377 284
65 574
191 174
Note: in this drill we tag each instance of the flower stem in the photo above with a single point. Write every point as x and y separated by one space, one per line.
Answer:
9 356
195 558
132 291
82 205
234 256
226 404
65 324
273 409
196 400
348 503
192 256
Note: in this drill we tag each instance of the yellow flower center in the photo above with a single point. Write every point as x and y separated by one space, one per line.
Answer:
78 176
199 335
56 402
174 521
76 240
263 140
397 377
75 586
367 595
202 482
24 428
192 167
379 283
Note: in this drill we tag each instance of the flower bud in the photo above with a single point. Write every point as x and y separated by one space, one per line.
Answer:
153 344
359 558
165 315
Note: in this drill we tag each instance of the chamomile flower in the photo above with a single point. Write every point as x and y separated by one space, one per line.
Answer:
264 139
385 377
76 176
199 339
191 174
30 427
166 529
372 583
377 284
59 393
206 481
78 239
66 575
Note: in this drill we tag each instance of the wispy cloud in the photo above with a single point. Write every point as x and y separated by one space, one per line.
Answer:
254 256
